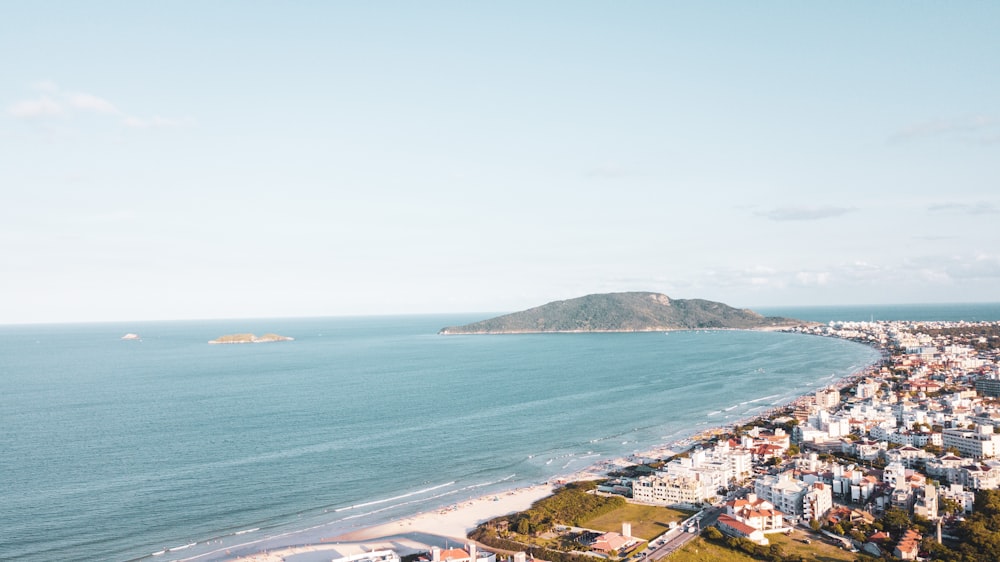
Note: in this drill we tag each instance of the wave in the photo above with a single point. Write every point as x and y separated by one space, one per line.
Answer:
398 505
394 498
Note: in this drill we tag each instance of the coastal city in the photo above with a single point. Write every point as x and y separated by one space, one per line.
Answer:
557 281
898 461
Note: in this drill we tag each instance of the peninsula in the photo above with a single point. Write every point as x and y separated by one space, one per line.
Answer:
625 312
250 338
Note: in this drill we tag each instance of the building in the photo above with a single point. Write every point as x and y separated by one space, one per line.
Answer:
909 546
670 490
756 512
828 398
925 501
438 554
979 443
615 543
988 387
945 468
817 501
736 528
373 556
795 498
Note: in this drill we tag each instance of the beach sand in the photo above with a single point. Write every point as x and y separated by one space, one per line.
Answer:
447 526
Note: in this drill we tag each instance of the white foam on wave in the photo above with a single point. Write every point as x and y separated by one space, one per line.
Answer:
394 498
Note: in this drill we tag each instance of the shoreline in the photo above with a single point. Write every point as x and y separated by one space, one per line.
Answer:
450 525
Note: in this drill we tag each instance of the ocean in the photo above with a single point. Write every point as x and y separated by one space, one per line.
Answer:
117 449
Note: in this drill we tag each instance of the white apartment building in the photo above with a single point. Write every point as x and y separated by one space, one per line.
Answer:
793 497
828 398
666 489
979 443
945 468
866 390
981 476
817 501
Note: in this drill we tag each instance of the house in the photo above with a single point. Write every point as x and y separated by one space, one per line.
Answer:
613 543
735 528
438 554
909 546
756 512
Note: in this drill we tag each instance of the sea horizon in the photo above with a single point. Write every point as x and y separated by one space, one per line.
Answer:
837 312
168 442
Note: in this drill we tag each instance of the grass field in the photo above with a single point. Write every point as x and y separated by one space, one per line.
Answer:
699 550
648 521
817 550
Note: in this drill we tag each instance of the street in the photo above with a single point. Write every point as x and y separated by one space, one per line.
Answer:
676 538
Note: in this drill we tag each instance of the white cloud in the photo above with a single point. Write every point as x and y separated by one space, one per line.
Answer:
41 107
812 278
53 101
981 266
89 102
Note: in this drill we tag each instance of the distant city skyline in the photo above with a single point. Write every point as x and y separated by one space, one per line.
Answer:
226 160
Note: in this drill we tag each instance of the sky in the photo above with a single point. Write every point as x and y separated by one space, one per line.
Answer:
189 160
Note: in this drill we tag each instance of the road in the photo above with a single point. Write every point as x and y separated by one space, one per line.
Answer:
676 538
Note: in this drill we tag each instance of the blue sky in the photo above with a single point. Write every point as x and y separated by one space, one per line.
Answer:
254 159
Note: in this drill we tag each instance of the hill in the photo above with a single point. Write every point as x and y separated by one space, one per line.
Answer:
624 312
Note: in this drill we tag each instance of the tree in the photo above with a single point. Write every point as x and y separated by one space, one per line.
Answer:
712 534
936 551
896 520
948 505
814 524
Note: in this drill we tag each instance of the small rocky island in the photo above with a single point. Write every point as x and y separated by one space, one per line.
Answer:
626 312
250 338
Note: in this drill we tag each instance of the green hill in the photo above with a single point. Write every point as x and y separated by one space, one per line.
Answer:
624 312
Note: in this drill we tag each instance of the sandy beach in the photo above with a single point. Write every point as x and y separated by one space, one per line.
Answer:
443 527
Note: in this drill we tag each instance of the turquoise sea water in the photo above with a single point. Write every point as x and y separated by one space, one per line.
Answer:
114 450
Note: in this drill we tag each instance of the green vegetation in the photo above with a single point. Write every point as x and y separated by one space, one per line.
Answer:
713 546
980 533
648 521
700 550
530 530
623 312
571 505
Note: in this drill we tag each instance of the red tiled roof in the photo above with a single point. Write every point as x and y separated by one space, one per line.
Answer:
454 554
736 525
